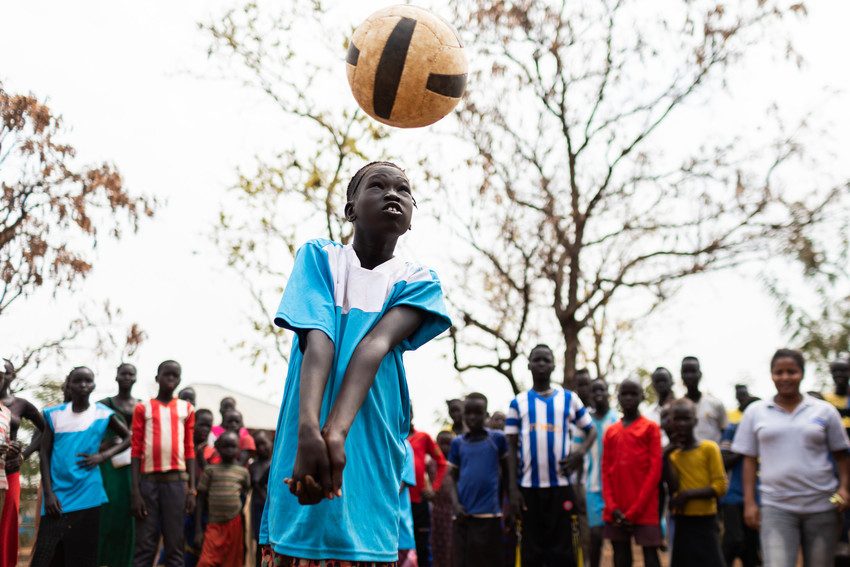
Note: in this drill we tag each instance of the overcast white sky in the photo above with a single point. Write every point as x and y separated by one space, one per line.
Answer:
117 71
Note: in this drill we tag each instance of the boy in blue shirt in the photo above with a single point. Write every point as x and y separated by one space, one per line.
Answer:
354 310
477 457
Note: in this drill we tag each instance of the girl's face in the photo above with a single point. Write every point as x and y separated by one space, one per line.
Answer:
383 202
80 384
7 374
126 376
787 375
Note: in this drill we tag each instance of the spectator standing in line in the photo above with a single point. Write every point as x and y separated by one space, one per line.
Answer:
839 369
662 383
496 421
701 480
117 541
541 490
787 442
71 481
163 489
225 406
476 459
423 491
5 425
603 417
406 540
577 478
222 489
455 409
711 415
187 394
259 472
739 540
19 409
631 472
442 512
743 397
203 452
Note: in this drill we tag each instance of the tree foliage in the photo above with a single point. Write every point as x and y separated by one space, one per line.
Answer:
53 210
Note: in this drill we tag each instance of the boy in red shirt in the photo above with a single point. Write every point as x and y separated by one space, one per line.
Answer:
631 471
424 491
163 461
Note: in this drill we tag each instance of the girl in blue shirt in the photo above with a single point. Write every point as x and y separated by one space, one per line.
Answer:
70 476
354 310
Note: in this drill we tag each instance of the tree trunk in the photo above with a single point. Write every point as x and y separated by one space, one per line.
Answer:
570 331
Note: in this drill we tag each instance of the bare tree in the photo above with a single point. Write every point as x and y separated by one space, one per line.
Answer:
53 211
577 203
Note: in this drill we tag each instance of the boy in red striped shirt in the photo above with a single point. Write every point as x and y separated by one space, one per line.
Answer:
163 461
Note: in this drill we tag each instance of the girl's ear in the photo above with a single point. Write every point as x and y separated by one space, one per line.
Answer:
349 212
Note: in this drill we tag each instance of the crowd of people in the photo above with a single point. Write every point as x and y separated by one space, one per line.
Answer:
128 482
348 481
563 471
546 482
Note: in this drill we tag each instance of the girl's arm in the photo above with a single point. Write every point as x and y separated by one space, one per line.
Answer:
748 476
52 506
311 474
396 325
843 462
31 413
117 426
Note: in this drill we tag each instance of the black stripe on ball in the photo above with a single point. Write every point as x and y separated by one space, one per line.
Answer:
391 66
353 54
447 85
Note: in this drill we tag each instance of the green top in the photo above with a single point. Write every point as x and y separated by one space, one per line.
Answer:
224 485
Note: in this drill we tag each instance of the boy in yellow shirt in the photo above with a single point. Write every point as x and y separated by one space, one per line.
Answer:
701 477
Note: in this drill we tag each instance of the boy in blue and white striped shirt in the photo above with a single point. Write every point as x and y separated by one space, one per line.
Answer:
537 428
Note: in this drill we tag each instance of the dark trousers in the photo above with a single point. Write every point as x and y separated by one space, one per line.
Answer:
67 541
422 532
696 542
546 527
166 504
477 542
739 540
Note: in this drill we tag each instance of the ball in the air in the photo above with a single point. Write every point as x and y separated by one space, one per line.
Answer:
406 67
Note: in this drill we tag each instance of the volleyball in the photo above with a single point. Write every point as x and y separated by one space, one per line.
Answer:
406 67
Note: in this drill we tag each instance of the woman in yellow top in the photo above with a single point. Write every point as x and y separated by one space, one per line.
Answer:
700 481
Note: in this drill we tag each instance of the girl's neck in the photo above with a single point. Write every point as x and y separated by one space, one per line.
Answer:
165 397
81 405
125 394
790 401
542 385
373 249
601 409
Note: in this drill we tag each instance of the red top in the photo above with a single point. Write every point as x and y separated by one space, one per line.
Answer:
422 445
162 435
631 471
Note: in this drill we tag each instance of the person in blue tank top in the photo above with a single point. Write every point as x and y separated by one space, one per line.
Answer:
70 476
354 309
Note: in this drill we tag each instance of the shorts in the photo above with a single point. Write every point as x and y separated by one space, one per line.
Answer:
595 507
645 536
272 559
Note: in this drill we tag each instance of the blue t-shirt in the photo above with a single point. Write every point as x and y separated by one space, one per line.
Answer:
405 519
75 487
478 464
735 492
328 290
